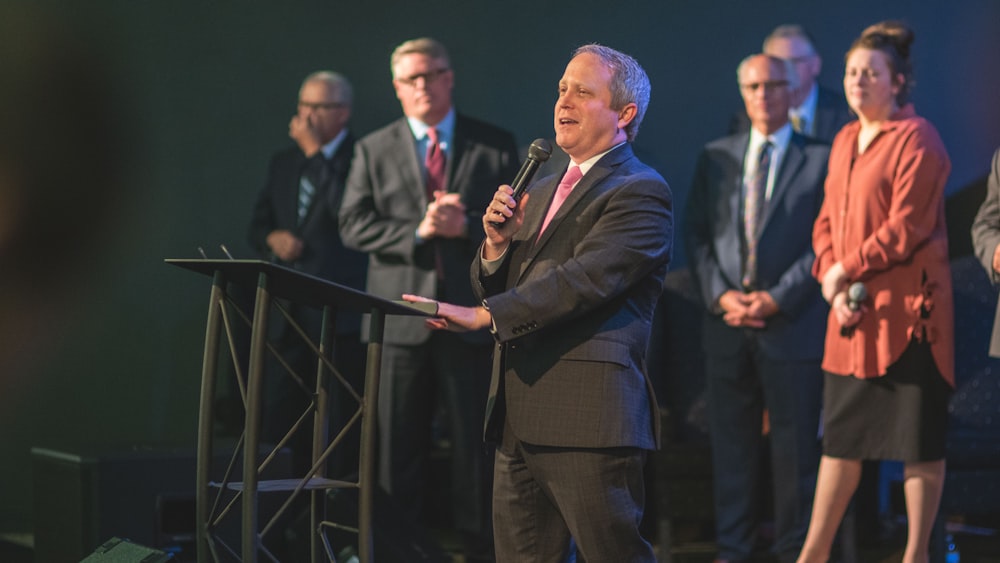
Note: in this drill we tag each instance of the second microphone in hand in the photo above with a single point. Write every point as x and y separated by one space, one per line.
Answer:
856 295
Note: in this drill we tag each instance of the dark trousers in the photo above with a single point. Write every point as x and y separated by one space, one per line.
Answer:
739 388
546 496
451 369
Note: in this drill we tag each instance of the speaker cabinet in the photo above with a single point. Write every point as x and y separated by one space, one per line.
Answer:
84 496
117 550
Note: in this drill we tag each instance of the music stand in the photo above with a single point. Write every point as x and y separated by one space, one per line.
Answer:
276 281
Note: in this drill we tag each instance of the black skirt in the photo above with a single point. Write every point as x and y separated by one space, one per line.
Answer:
902 415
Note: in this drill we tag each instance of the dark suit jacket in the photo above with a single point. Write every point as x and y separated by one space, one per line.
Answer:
986 237
832 113
573 311
712 233
386 200
324 255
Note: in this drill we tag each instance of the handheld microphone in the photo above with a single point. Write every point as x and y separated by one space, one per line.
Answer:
539 151
855 295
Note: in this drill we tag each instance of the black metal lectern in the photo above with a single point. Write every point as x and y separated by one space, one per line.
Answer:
272 282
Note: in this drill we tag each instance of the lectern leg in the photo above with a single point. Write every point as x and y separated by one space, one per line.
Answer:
258 346
321 428
208 372
366 472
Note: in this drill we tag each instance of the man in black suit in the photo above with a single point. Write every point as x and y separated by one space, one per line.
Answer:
413 201
570 278
986 240
295 224
814 111
748 234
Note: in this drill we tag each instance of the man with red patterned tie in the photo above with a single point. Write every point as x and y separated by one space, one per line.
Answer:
414 199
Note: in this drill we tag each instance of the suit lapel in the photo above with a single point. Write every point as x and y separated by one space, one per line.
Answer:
541 197
457 162
597 173
403 148
735 187
791 162
339 164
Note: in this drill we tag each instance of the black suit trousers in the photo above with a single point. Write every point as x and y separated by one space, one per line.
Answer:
739 387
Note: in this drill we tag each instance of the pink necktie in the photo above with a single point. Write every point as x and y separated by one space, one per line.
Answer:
435 164
562 192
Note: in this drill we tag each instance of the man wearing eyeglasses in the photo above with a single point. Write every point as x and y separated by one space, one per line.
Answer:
414 198
294 223
748 231
814 111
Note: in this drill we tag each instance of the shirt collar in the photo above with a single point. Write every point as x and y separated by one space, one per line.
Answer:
586 165
331 147
445 128
779 138
808 107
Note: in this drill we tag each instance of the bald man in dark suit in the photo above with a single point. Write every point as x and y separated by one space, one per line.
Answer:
765 318
814 110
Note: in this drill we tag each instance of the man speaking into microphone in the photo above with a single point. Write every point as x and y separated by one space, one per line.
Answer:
569 280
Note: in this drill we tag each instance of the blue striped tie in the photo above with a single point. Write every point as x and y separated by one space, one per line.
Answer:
312 177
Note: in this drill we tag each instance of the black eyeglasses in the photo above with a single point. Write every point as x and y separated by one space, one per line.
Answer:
427 77
319 106
769 86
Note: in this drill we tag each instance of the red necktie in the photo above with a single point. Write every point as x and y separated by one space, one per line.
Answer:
434 161
562 192
435 164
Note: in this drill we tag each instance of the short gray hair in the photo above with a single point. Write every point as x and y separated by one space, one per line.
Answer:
629 83
791 31
337 82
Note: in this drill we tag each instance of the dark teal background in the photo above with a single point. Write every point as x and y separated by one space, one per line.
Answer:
202 93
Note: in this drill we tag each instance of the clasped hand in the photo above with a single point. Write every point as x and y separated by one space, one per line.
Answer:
747 309
444 218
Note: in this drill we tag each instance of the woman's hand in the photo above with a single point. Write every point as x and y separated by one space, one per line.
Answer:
846 316
834 281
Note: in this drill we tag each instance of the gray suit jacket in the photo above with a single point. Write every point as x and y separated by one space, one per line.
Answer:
573 310
385 201
713 241
986 237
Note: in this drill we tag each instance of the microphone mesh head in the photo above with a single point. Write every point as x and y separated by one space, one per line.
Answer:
540 150
857 292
